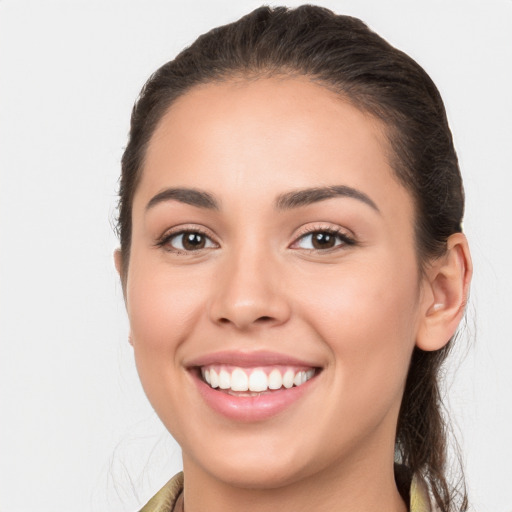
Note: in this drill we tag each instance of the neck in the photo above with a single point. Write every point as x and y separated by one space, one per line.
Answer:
362 485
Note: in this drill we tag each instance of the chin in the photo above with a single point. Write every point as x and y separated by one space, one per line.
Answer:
266 466
272 475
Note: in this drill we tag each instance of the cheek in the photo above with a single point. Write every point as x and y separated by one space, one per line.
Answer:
162 307
368 319
362 297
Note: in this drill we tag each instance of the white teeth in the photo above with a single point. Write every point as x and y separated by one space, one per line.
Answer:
275 379
214 379
255 380
258 381
239 380
224 380
288 378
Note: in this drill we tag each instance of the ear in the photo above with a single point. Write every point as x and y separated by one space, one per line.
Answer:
446 290
118 261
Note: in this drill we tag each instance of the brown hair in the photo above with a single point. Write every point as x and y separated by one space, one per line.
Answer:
343 54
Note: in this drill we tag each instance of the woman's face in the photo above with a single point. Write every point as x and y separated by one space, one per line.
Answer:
272 247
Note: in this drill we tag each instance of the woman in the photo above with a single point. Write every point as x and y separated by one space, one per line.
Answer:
294 268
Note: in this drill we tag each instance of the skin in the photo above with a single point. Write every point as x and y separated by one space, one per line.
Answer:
356 311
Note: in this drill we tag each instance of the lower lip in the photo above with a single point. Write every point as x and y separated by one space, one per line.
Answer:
251 408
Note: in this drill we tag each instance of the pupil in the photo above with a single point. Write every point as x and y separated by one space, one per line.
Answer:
323 240
193 241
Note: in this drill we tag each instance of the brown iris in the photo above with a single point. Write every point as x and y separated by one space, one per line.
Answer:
323 240
193 241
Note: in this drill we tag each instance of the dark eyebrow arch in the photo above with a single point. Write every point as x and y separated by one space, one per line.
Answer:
304 197
190 196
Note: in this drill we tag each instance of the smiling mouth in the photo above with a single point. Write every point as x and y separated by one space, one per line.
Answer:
243 381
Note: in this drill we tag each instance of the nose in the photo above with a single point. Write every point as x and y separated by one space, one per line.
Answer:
247 293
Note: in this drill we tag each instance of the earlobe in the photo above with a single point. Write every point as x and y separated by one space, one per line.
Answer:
446 295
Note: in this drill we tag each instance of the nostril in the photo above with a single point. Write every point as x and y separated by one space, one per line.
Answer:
264 319
260 320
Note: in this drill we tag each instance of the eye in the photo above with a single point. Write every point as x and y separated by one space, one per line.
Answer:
324 239
187 241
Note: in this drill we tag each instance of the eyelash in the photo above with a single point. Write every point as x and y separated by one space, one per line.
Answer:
164 242
346 240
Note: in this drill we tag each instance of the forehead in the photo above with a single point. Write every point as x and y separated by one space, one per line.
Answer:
260 137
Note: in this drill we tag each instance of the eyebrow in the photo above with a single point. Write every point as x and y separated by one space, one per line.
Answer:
304 197
190 196
289 200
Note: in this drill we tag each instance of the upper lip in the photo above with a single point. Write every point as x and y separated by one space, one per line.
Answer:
249 359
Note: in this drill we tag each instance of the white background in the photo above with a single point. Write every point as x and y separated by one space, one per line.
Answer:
76 432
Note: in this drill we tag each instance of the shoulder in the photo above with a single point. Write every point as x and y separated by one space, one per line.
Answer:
414 490
420 500
165 499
